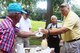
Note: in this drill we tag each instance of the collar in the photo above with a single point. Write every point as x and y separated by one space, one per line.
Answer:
9 19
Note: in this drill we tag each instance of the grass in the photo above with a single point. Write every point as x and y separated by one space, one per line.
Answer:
35 26
35 41
1 20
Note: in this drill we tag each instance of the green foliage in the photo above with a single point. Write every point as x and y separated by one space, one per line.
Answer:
25 3
76 9
56 9
74 6
37 16
58 14
31 5
56 4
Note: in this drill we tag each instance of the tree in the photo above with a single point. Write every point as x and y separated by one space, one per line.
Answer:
75 6
52 6
24 3
49 11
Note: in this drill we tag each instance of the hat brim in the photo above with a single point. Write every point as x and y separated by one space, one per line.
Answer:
24 12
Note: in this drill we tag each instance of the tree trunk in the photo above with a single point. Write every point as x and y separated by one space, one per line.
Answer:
49 11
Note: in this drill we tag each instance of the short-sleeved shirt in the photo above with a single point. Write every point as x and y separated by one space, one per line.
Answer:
24 24
7 35
72 22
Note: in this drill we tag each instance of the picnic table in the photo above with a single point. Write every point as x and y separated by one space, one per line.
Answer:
38 50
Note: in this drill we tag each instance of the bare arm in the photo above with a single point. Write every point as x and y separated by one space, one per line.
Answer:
25 34
55 31
59 31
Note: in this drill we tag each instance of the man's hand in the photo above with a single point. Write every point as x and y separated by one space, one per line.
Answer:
44 31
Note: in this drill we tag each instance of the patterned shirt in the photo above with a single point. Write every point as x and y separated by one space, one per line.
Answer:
7 35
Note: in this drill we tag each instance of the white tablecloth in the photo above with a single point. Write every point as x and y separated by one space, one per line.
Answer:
39 50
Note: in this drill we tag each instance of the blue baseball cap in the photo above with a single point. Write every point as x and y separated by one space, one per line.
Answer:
15 7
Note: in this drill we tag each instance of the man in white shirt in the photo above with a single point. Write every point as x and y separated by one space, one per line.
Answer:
24 25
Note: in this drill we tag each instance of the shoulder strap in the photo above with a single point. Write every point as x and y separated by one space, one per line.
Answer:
50 26
56 25
59 34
